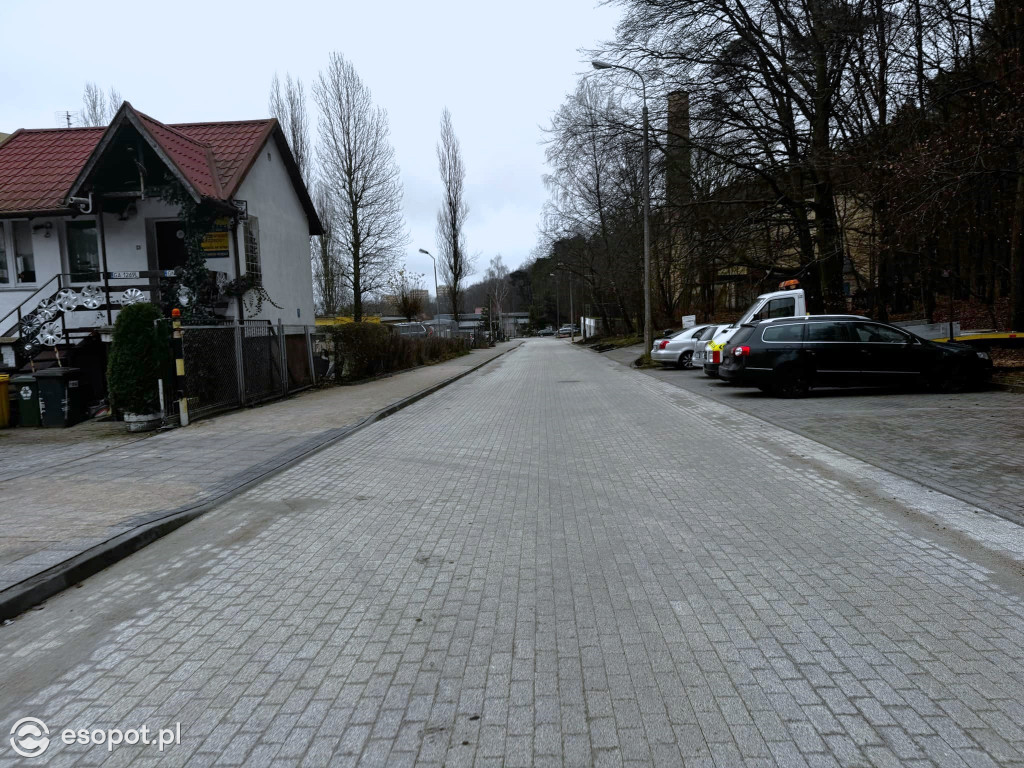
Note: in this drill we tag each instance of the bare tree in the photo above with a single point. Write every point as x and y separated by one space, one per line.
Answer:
497 276
99 109
289 107
407 293
114 101
456 263
329 287
358 165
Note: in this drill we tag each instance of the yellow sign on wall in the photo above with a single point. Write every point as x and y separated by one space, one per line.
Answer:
215 242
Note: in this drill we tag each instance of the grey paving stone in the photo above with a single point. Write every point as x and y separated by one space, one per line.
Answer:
728 602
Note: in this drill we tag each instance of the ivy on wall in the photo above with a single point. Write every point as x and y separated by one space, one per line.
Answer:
193 289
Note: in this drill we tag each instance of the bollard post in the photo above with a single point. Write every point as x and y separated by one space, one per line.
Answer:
179 365
309 355
284 358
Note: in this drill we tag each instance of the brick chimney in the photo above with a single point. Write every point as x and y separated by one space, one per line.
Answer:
678 186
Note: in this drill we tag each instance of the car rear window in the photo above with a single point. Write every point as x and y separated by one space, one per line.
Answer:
783 333
742 334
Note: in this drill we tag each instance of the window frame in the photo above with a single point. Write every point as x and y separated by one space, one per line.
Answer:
11 246
251 240
840 325
905 337
6 252
774 326
91 277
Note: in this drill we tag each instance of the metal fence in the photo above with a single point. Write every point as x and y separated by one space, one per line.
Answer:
229 366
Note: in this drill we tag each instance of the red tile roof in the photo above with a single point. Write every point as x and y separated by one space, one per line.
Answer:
38 166
232 145
193 158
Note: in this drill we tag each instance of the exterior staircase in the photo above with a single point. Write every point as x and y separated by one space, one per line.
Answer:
40 322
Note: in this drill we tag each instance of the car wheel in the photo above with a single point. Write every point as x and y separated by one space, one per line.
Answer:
791 383
684 359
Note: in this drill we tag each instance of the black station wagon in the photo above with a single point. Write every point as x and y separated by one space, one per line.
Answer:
787 356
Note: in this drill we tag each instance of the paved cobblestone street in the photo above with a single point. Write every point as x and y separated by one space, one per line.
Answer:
967 444
555 560
65 491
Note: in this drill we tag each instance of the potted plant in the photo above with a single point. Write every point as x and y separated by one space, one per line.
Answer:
138 360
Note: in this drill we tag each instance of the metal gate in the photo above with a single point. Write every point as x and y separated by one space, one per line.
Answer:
211 380
228 366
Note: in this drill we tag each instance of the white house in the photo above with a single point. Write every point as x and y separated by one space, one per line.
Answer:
86 225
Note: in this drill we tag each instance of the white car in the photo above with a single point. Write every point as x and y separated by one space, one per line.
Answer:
677 350
702 355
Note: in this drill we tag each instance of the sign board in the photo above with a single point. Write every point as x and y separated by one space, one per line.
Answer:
215 242
689 321
243 209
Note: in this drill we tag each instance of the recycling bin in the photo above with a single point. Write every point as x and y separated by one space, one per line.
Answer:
60 397
5 401
26 391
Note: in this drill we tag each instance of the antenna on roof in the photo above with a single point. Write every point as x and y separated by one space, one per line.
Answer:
67 119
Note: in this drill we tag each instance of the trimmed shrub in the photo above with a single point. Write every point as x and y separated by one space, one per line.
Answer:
370 349
139 357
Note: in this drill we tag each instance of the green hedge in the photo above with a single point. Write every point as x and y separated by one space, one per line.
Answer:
139 356
370 349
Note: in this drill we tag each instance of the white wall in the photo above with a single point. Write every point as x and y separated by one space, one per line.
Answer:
284 239
284 247
47 251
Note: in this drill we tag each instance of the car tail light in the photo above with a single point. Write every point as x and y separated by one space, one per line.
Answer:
716 357
662 344
740 351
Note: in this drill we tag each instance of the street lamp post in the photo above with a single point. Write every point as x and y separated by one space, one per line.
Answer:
437 298
557 312
572 315
648 333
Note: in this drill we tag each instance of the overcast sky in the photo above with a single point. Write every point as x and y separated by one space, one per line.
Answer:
502 68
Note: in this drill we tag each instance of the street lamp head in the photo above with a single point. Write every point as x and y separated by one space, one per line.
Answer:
424 250
597 64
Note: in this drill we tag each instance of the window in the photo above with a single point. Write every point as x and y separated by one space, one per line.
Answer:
24 260
785 307
826 332
83 250
879 334
5 272
781 307
252 249
789 332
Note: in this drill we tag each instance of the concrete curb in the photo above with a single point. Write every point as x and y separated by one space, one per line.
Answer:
35 589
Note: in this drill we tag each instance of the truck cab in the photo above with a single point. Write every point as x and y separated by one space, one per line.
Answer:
787 302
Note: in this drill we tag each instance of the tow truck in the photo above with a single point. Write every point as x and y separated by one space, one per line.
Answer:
788 301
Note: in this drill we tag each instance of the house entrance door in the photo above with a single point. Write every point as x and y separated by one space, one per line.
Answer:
170 245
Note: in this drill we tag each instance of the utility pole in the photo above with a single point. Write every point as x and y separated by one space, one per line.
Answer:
648 331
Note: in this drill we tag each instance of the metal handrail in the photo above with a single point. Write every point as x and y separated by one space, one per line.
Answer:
17 309
62 282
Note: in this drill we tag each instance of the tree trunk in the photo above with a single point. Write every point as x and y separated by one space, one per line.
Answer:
1017 248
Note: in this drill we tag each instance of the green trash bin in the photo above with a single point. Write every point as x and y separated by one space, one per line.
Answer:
26 389
60 397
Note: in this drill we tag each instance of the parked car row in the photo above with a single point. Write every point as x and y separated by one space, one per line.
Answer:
778 348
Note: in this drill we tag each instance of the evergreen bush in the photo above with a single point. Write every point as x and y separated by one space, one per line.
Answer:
139 357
